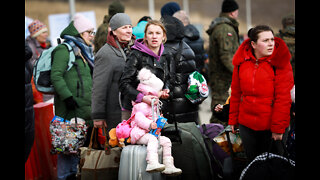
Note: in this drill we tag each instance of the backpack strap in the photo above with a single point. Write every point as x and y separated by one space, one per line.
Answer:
72 57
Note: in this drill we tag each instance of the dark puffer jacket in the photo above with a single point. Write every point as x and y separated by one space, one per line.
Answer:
178 104
193 39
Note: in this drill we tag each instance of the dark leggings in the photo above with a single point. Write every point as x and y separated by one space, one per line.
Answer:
258 142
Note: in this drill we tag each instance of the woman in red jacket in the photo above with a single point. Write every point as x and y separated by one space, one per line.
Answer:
260 90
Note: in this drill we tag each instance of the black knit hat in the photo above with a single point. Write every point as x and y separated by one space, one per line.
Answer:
169 9
229 6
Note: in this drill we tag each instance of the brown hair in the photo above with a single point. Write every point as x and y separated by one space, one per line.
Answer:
156 23
254 32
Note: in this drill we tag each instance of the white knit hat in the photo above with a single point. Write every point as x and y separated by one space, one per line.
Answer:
81 23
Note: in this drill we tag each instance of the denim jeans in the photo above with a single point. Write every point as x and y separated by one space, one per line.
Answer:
66 165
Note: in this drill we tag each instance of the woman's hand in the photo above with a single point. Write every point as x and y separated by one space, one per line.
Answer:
232 128
277 136
99 123
164 94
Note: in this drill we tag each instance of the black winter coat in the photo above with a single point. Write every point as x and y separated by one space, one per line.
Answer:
28 107
178 104
128 84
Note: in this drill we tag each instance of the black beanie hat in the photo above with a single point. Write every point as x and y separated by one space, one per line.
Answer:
229 6
169 9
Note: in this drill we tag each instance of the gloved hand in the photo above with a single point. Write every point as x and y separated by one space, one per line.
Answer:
71 104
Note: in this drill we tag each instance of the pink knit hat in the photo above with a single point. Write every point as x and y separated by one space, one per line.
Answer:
81 23
36 28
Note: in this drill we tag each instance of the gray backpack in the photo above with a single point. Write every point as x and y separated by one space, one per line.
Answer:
42 69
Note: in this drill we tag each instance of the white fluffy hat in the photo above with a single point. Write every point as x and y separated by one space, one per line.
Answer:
146 77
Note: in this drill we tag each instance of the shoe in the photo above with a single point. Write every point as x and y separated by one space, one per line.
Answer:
155 167
170 169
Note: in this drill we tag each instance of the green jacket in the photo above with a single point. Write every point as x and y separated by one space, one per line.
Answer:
68 83
101 35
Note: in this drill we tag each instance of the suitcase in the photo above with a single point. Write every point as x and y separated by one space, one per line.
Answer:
133 164
189 151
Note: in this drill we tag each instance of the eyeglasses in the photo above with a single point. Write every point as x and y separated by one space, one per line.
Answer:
92 33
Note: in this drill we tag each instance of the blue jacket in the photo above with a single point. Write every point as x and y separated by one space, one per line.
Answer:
138 30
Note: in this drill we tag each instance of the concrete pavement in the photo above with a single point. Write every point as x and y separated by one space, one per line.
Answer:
204 111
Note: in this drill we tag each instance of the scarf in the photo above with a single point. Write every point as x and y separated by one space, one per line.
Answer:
141 46
111 39
78 42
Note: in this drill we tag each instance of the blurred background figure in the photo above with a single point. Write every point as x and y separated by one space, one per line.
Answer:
169 9
38 42
196 43
138 30
102 32
287 33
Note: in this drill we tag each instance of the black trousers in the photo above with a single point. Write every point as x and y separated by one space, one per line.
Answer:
258 142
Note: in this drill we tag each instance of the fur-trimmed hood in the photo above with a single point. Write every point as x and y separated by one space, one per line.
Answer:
279 58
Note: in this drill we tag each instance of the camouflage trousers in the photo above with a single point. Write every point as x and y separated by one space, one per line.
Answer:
219 92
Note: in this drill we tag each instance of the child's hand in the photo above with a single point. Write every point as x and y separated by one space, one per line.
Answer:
164 94
148 98
218 108
153 125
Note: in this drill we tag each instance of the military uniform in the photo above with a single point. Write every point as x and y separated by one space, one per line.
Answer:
101 34
223 43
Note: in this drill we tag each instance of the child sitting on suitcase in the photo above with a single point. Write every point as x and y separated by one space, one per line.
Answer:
142 123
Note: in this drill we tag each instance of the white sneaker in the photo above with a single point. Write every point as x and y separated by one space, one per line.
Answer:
155 167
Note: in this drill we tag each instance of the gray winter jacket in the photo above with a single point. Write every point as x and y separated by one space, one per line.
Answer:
108 66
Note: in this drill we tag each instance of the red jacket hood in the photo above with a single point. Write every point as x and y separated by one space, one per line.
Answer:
279 58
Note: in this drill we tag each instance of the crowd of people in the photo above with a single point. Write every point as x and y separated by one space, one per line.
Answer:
101 84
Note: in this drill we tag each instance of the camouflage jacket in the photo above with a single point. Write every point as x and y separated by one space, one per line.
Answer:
223 43
101 35
288 36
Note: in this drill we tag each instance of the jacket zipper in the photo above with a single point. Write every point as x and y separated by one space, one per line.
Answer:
253 82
